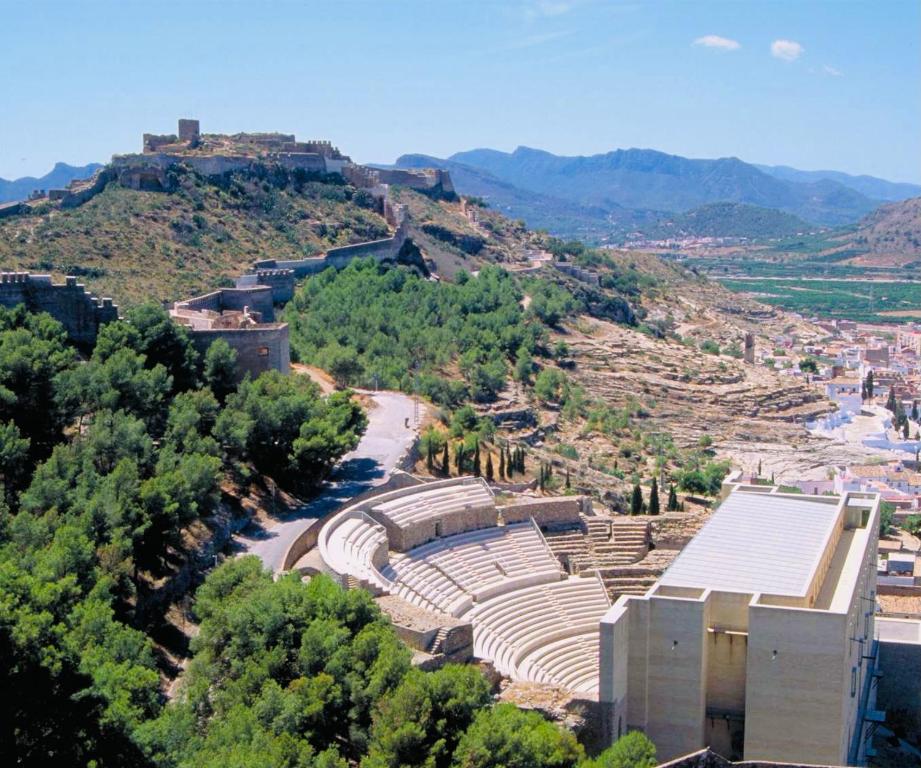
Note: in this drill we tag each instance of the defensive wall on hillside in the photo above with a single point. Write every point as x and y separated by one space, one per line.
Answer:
245 319
385 249
80 312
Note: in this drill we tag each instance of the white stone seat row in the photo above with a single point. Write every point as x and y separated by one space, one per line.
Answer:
421 506
349 547
547 633
476 563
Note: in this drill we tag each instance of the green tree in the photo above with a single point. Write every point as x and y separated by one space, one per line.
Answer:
632 750
220 369
636 500
502 474
477 468
490 471
422 720
654 497
507 737
445 461
549 385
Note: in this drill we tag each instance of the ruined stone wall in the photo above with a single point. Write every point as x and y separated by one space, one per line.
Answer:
281 281
189 131
259 349
258 298
81 313
546 511
299 267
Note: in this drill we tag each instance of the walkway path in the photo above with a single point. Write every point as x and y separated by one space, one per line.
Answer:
384 443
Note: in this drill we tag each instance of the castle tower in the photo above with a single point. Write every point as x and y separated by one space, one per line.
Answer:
189 131
748 353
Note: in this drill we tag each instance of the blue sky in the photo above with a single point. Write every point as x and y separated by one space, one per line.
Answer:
815 85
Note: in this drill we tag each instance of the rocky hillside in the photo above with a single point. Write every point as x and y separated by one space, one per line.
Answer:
892 234
136 245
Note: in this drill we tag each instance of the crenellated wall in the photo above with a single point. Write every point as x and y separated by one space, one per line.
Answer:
79 311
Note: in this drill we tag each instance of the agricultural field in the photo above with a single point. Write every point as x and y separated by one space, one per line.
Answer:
861 300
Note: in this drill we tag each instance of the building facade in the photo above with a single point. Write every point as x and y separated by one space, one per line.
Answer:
758 640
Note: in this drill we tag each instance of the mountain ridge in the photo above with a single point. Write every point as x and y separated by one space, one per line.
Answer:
652 180
59 176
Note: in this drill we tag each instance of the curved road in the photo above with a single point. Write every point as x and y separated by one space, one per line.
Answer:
385 442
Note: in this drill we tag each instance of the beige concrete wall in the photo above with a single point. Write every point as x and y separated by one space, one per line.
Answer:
614 643
676 675
794 698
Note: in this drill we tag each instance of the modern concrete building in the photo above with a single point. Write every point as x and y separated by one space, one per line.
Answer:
758 640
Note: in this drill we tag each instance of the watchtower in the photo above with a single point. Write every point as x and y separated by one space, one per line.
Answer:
189 131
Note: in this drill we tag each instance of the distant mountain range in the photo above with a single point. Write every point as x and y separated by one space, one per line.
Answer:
635 189
59 176
872 187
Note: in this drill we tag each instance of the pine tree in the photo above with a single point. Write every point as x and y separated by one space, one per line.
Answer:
654 498
489 469
501 463
477 469
445 461
636 501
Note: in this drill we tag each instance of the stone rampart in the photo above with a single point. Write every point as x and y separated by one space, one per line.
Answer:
259 348
79 311
560 510
257 298
281 281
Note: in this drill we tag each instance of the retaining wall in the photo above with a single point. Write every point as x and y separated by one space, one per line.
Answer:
547 511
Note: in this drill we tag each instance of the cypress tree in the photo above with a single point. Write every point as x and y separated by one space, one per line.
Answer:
636 501
477 469
654 497
459 458
568 486
540 481
501 462
430 457
489 469
869 383
521 467
672 498
890 401
445 461
759 468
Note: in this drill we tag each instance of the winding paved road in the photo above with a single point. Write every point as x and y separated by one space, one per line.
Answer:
384 443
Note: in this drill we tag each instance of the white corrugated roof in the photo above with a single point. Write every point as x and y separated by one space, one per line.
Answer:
757 542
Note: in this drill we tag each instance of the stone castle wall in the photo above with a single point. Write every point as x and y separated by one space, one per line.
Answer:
281 281
258 298
81 313
259 349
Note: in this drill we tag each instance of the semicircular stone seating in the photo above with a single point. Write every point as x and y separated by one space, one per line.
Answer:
531 620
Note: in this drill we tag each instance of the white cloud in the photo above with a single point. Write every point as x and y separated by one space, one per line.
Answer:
786 50
715 41
829 70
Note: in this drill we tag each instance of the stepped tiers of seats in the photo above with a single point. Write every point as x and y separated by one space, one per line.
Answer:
446 548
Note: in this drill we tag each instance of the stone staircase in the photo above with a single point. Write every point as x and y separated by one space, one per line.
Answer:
600 542
437 644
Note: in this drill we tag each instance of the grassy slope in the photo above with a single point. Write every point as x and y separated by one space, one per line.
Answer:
140 245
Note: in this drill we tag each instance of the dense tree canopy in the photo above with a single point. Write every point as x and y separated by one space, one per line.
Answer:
376 326
104 463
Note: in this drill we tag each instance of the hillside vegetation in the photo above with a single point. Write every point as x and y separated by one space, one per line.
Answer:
729 220
136 245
